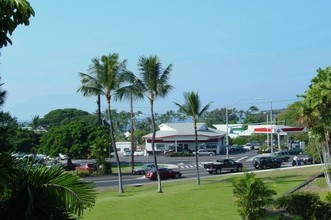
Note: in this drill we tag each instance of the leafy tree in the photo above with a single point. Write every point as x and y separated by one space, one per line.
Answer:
154 80
71 139
252 196
3 94
8 128
192 107
37 192
24 140
62 117
316 105
291 115
12 14
216 116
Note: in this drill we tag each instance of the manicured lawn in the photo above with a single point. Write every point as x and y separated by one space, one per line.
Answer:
185 200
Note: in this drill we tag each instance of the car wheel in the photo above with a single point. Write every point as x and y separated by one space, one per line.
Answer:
286 159
210 154
218 171
177 176
256 167
142 172
239 169
278 165
210 172
264 167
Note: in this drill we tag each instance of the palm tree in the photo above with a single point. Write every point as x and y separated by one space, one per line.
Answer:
133 90
154 80
105 82
90 83
192 108
37 192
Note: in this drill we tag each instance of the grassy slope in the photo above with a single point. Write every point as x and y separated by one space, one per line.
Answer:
185 200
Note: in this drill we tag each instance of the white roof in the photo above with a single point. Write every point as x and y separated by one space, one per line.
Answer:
175 130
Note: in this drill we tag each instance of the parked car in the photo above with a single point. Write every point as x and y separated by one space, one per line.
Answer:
127 153
86 167
306 159
223 164
203 152
165 173
264 162
52 163
143 169
249 146
63 156
281 155
139 153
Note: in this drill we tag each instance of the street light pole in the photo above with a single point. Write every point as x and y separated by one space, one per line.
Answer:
227 132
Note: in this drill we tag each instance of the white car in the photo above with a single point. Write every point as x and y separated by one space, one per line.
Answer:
139 153
247 147
203 152
127 153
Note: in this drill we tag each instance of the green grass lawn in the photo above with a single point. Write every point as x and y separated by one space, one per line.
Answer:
186 200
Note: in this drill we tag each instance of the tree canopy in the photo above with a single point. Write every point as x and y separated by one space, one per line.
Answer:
12 14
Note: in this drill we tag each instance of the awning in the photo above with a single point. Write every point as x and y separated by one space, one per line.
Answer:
275 129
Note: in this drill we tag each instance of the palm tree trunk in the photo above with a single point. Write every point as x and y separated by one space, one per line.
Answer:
99 109
159 189
132 136
196 151
120 184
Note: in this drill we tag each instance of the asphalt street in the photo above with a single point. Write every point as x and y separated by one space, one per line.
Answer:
186 165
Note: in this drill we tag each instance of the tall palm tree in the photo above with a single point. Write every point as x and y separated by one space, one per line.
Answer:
131 91
106 81
37 192
154 80
192 108
90 83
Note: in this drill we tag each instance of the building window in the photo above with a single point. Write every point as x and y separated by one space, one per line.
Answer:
160 147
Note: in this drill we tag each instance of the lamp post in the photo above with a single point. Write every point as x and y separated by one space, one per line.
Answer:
227 122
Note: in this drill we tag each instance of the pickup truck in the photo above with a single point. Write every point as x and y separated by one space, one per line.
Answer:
223 164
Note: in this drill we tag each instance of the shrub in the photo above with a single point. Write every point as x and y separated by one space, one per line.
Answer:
300 203
252 196
323 211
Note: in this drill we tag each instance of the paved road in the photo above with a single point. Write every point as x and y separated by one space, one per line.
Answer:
185 164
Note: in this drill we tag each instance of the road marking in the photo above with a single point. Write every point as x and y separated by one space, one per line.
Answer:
240 159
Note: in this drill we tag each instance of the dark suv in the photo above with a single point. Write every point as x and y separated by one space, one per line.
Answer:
265 162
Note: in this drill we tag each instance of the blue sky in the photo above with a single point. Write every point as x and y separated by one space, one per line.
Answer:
225 50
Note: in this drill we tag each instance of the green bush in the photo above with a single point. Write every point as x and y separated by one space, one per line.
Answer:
252 196
323 211
300 203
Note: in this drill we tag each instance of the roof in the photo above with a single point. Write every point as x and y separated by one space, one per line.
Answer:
175 130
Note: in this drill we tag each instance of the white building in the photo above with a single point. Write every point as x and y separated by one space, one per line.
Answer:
181 137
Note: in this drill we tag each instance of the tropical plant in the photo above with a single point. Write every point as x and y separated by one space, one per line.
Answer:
192 107
315 112
2 94
252 196
154 80
132 90
37 192
105 79
12 14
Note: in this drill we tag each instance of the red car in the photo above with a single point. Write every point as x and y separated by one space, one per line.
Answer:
165 173
87 167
